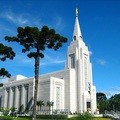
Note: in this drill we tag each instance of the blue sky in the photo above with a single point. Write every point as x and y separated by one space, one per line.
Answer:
100 25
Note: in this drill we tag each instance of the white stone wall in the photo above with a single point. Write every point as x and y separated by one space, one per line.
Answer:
15 83
73 105
63 74
47 91
44 91
57 83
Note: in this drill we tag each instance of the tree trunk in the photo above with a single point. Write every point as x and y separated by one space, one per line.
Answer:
36 84
40 107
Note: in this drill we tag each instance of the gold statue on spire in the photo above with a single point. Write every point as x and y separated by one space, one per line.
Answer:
76 12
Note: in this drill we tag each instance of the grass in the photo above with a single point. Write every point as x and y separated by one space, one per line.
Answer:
102 119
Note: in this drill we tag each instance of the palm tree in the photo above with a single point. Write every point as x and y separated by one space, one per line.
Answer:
49 104
41 104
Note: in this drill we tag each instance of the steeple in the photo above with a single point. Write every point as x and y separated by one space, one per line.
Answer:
77 32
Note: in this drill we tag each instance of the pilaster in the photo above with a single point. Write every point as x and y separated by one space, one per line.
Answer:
10 98
23 96
16 97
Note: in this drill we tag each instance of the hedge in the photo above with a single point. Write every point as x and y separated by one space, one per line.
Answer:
52 116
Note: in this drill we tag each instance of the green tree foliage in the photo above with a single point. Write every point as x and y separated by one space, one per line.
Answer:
103 105
1 84
49 104
5 52
35 41
101 96
114 102
102 102
40 104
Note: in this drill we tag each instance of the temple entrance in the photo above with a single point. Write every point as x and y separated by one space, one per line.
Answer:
88 106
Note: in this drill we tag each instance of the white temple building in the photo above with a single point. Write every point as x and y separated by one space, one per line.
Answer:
71 88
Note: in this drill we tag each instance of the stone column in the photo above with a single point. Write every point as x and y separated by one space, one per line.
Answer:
26 95
16 98
30 95
10 98
5 98
23 96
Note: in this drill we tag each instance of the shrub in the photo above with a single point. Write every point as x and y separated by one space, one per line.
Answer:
85 116
50 116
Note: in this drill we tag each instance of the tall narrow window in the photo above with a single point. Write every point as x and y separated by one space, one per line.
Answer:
86 72
57 97
72 60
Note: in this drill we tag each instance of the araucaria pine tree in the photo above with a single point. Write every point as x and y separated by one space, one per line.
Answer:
5 52
35 41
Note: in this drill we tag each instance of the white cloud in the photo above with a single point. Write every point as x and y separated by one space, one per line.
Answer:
112 91
101 61
26 19
15 18
90 52
3 80
22 59
55 61
50 59
58 22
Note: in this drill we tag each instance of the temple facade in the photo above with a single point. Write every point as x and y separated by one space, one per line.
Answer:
71 88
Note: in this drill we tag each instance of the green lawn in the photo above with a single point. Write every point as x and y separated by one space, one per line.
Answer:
20 118
102 119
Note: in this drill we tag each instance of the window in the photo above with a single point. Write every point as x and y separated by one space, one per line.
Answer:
72 60
88 104
74 37
57 97
86 72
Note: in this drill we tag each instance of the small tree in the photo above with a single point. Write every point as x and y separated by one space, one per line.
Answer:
26 109
5 52
35 41
21 108
102 103
49 104
40 104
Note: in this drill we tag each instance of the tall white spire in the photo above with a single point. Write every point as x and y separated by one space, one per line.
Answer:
77 32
